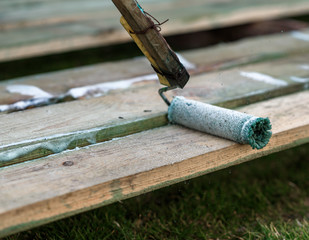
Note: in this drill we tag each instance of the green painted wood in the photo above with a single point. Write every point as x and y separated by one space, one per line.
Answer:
34 28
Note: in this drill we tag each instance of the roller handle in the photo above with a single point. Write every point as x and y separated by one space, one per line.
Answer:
142 29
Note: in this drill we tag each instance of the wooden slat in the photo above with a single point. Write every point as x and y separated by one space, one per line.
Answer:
33 28
43 190
73 124
217 57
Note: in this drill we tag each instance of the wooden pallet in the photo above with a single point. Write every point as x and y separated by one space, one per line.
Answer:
36 27
123 110
91 152
107 137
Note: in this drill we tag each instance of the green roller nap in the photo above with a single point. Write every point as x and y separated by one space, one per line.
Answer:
239 127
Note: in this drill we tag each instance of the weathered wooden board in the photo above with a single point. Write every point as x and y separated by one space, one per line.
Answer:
75 181
125 111
217 57
33 28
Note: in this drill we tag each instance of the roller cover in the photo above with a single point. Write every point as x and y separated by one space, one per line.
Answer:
239 127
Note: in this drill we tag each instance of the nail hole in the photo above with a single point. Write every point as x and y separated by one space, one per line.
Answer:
68 163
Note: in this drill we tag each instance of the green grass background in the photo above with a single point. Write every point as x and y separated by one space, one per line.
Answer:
267 198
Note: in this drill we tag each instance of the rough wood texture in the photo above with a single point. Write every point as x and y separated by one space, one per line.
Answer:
43 27
48 189
125 111
217 57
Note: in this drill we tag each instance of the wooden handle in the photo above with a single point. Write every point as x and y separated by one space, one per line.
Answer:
167 63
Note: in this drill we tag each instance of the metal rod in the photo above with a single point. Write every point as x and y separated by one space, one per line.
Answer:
163 90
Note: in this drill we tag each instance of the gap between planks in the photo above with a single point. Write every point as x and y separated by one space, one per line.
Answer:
46 190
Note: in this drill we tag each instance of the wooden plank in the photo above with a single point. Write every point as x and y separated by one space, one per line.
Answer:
17 14
35 28
65 184
28 13
217 57
125 111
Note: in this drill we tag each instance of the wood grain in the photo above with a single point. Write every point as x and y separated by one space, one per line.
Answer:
219 57
35 28
146 34
101 174
125 111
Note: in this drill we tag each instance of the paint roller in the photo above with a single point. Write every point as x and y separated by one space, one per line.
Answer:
239 127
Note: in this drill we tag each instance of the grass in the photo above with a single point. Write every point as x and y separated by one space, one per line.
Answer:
290 230
263 199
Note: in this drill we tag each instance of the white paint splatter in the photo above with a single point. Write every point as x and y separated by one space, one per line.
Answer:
263 78
304 67
24 104
300 35
257 92
299 79
185 62
41 97
103 88
28 90
4 108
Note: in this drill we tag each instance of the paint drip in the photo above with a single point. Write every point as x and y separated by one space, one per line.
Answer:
300 36
233 125
264 78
